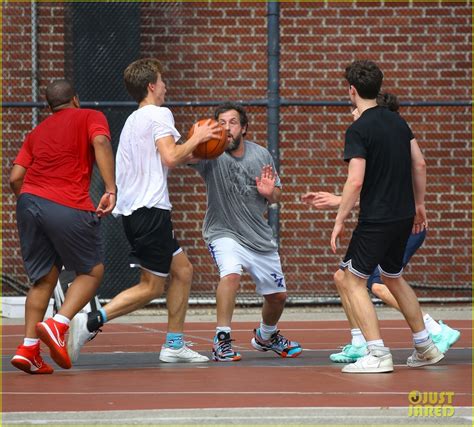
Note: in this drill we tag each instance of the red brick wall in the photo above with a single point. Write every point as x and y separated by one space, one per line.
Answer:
17 87
218 52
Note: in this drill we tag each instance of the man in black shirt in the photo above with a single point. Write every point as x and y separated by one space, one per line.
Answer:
378 149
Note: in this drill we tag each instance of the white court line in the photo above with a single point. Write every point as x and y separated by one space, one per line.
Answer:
195 345
243 393
147 329
198 346
245 417
235 416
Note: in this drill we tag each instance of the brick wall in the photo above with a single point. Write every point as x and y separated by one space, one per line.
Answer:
17 87
218 52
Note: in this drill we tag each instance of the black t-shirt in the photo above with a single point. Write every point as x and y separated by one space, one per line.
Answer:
382 138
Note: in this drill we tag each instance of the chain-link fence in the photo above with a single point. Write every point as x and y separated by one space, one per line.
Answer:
217 51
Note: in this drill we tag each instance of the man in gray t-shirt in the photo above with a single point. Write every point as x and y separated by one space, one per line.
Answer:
239 185
236 209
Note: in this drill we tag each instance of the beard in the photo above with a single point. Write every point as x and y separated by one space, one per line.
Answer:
234 144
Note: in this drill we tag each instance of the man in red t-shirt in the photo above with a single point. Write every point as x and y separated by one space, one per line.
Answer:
58 223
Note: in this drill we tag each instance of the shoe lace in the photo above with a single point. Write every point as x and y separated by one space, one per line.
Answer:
346 348
94 334
225 346
280 340
185 349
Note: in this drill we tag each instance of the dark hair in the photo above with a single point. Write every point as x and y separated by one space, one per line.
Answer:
59 92
366 77
139 74
388 100
227 106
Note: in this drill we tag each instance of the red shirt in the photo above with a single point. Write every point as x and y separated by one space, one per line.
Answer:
59 157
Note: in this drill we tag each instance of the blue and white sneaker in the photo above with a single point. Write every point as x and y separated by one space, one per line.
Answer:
277 343
446 338
349 354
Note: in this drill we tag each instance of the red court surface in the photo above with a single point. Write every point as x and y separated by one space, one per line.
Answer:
120 370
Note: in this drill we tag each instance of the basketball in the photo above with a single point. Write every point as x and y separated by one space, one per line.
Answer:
212 148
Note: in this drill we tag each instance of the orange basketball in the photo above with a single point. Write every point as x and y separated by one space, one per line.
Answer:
212 148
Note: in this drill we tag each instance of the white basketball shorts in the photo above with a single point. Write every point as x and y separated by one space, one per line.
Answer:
265 268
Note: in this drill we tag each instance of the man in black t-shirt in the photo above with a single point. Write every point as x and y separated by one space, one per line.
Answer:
378 148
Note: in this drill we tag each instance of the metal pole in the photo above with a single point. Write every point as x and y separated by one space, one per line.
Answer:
34 61
273 110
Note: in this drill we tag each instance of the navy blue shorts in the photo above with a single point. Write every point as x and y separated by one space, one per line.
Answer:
413 244
150 234
53 234
377 244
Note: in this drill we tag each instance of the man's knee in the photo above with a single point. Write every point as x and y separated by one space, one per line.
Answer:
278 298
232 279
187 271
391 283
97 272
48 280
339 279
183 272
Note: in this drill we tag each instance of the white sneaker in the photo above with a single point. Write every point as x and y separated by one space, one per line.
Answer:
78 335
377 361
181 355
425 355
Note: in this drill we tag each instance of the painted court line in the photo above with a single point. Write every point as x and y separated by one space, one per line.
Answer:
237 416
146 330
198 393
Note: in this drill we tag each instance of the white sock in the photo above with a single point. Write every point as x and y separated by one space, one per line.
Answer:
27 342
266 331
61 319
421 337
378 343
358 338
220 329
431 325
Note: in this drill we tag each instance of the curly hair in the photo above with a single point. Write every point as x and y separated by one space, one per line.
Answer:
366 77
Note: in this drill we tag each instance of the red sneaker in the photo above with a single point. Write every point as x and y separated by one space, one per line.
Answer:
28 359
52 334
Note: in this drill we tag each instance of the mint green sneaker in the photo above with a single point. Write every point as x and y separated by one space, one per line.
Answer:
349 354
446 338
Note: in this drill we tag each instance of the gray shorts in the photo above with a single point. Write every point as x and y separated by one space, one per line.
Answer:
53 234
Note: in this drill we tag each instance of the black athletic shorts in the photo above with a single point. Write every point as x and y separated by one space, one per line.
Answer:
378 244
53 234
150 233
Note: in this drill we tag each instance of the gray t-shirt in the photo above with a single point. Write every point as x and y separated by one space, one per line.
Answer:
235 209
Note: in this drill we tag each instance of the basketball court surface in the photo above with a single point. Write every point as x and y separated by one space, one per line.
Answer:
119 380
